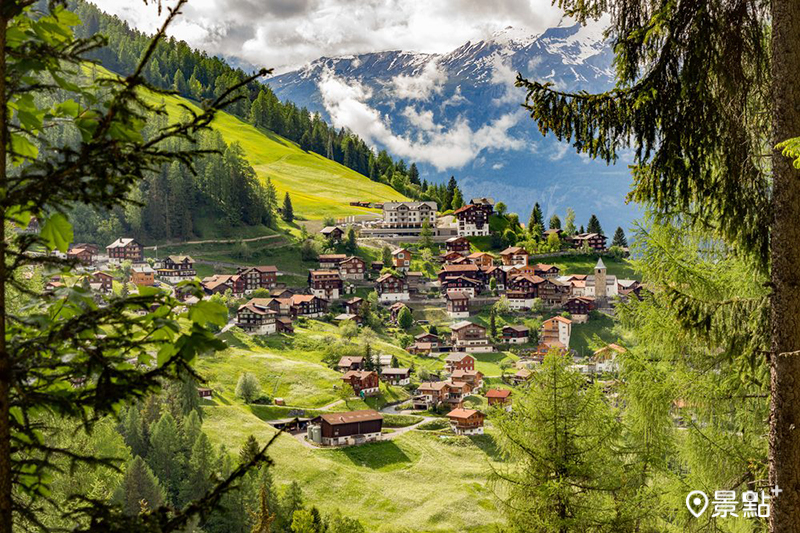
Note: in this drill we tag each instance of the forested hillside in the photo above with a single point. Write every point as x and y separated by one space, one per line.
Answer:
195 75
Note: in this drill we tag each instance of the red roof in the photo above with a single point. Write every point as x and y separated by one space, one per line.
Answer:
498 393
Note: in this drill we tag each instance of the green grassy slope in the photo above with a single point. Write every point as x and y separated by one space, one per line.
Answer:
318 186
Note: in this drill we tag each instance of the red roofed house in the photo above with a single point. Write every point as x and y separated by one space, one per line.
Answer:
546 271
466 421
482 259
364 382
473 378
84 255
350 362
498 396
355 427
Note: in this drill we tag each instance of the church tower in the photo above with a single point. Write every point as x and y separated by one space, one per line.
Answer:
600 283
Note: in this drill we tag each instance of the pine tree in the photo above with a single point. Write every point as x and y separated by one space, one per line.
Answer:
132 430
287 213
386 257
292 501
413 174
164 456
555 222
619 238
248 387
458 200
351 244
537 218
563 466
139 489
199 470
426 236
249 450
581 230
492 324
594 225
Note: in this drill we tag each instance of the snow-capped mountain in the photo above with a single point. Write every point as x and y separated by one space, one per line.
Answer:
459 114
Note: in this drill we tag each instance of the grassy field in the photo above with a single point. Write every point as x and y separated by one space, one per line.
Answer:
583 336
318 186
417 481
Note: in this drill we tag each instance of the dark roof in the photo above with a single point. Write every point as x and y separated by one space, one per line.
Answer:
367 415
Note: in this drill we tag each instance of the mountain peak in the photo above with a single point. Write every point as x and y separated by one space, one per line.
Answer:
511 34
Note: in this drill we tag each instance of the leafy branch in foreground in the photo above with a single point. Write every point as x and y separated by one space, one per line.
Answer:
65 355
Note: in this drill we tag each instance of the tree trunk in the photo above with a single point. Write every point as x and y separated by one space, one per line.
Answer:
784 435
5 358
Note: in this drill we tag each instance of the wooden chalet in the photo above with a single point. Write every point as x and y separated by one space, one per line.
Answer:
523 375
451 258
205 392
553 292
332 233
515 334
466 421
463 284
104 280
257 277
581 305
256 318
401 260
482 259
354 305
394 310
84 256
514 256
338 429
459 245
457 304
219 283
556 332
469 337
498 274
353 268
325 284
125 249
350 362
498 396
546 271
458 361
331 261
595 241
396 376
376 266
177 268
364 382
392 287
473 378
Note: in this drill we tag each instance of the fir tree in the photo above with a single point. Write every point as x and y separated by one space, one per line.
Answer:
594 225
139 489
492 324
164 456
555 222
458 200
249 449
619 238
413 174
199 470
287 213
536 219
132 430
386 257
426 236
351 244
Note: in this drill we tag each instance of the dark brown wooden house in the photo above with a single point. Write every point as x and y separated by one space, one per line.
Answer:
338 429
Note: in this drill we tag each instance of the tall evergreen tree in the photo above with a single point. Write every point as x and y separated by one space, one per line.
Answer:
164 457
287 213
555 222
594 225
132 430
351 244
619 238
413 174
139 489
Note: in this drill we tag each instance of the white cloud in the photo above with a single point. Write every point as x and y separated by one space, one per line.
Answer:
421 87
498 166
559 151
285 34
503 74
444 148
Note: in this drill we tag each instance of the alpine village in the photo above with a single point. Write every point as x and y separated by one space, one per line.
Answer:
271 307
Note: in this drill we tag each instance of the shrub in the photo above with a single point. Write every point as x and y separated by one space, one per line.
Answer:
248 387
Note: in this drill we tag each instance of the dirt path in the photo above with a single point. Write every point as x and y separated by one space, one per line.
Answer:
219 241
